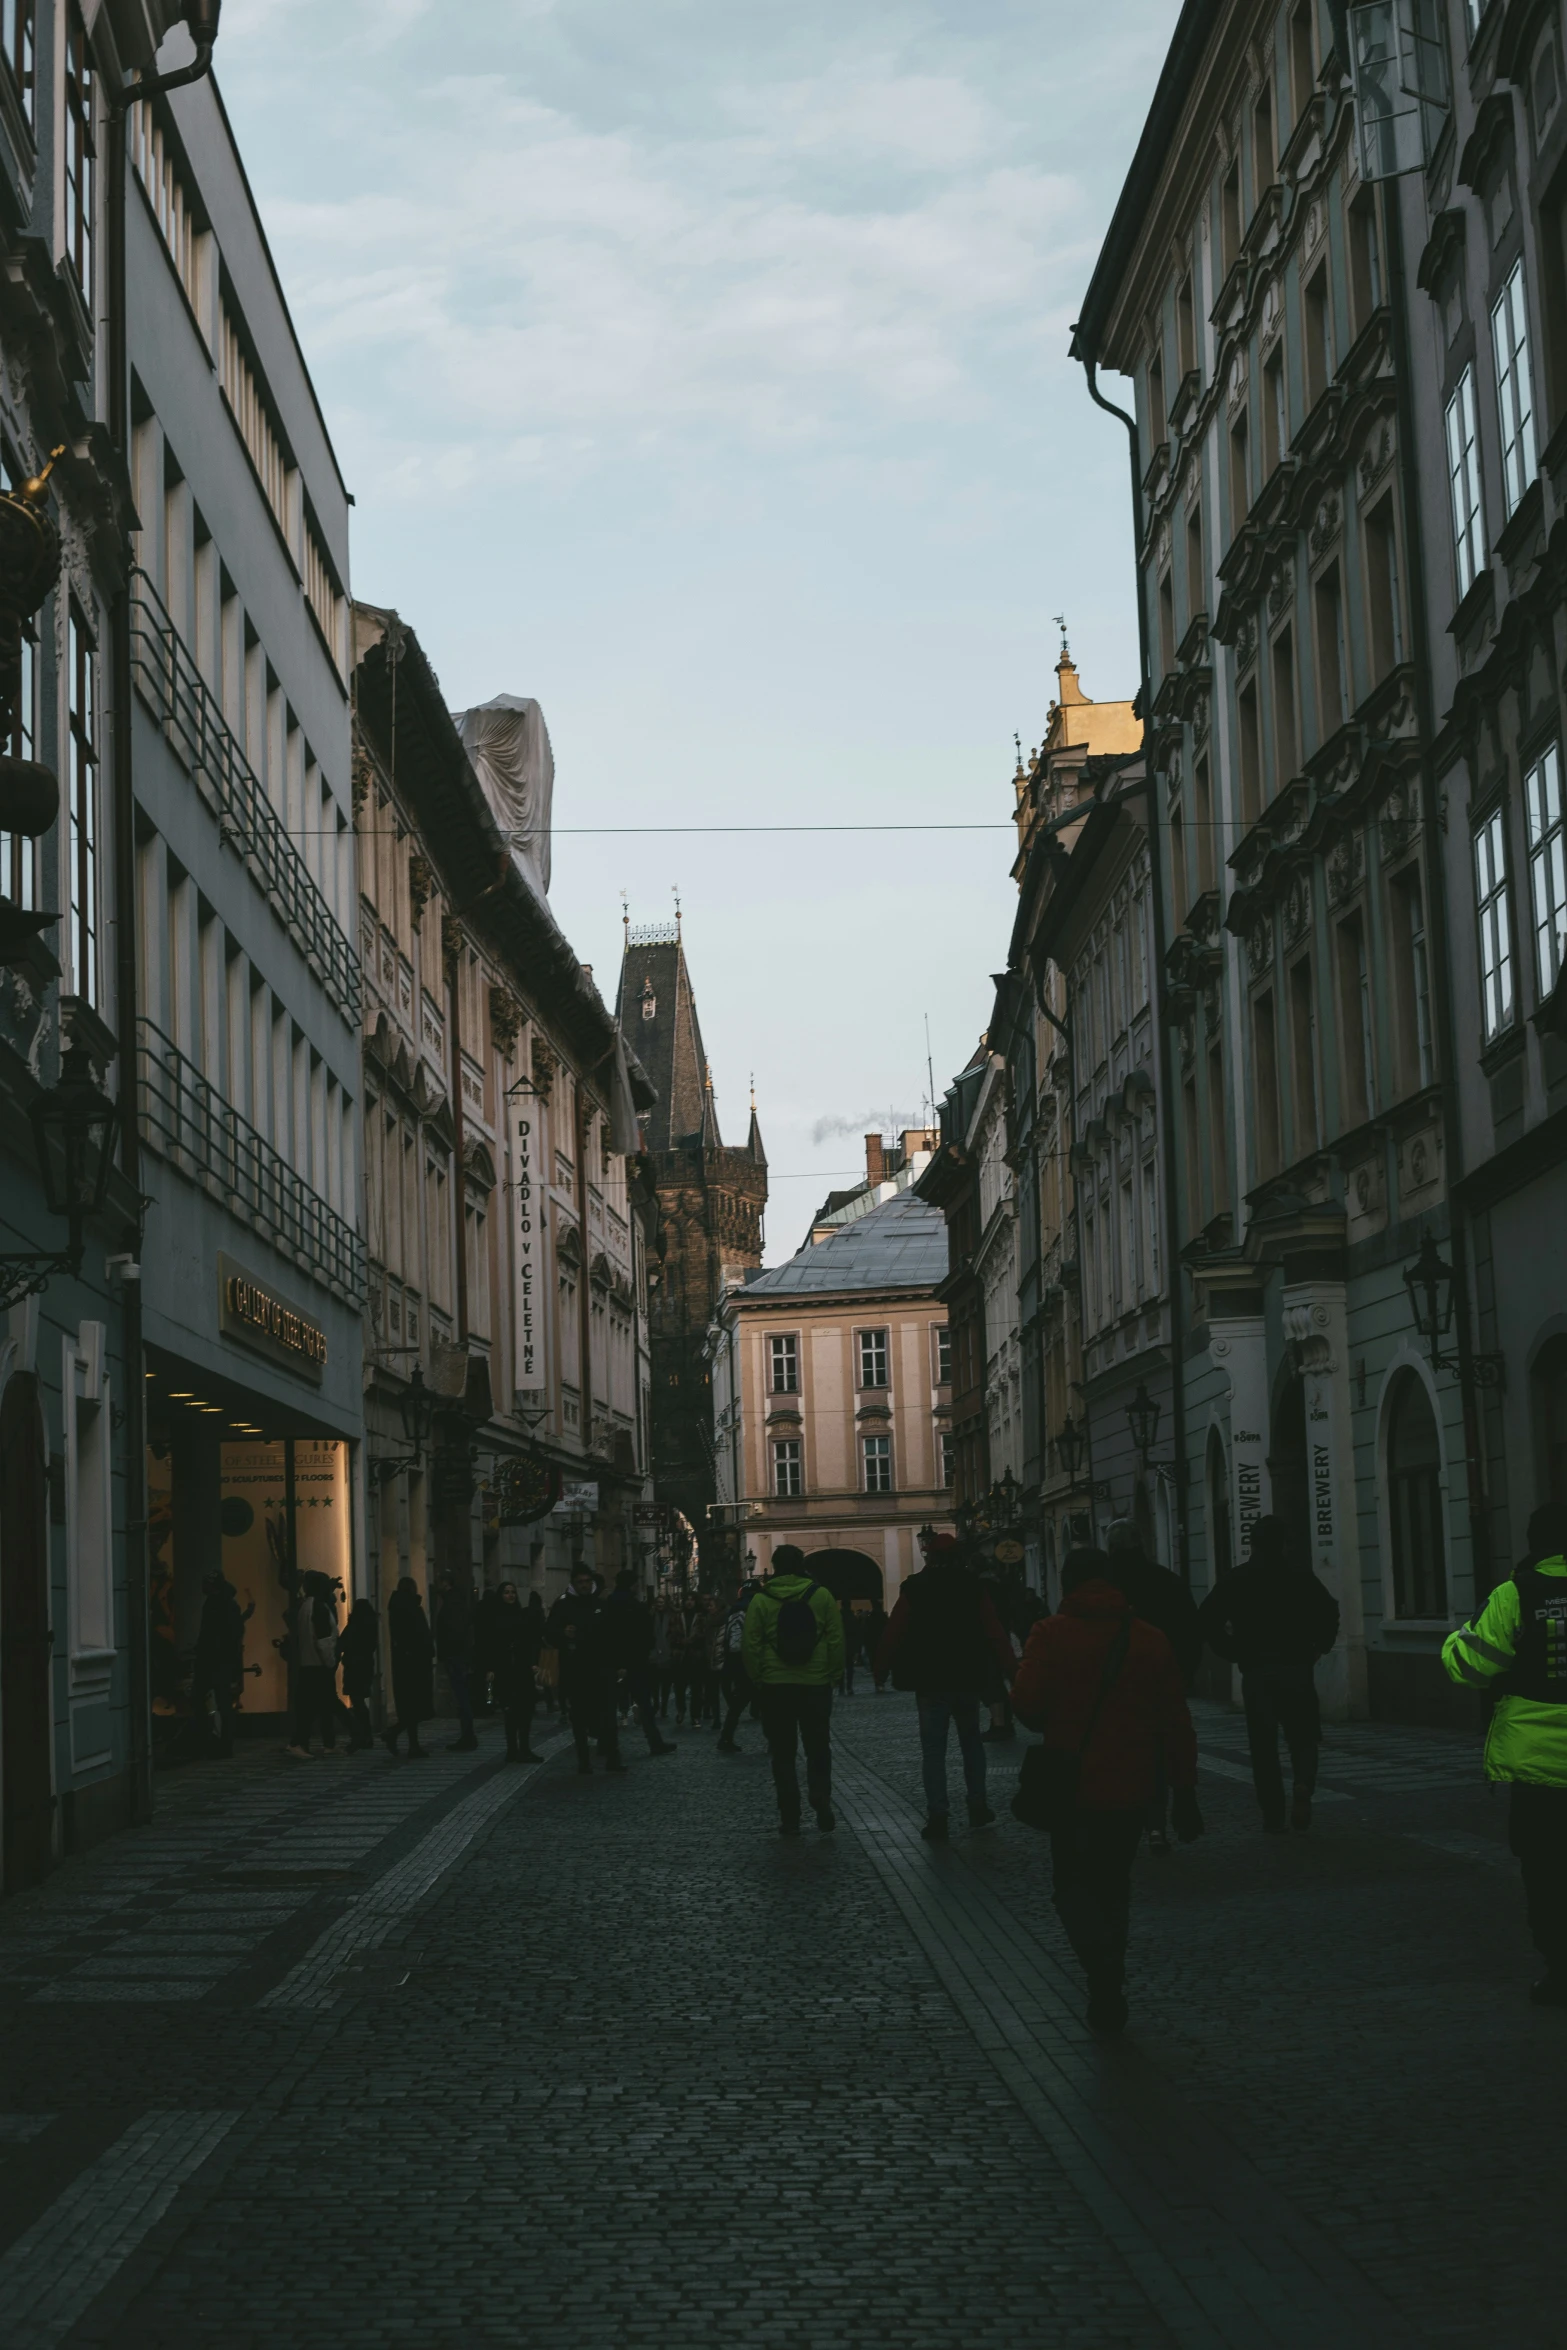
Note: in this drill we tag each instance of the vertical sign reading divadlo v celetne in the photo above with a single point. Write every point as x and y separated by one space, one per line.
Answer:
530 1291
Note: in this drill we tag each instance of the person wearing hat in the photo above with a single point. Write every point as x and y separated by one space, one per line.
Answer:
945 1641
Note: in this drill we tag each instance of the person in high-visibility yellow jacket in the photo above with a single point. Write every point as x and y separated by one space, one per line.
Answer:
1517 1647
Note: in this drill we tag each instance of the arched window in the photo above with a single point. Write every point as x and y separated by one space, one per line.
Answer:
1414 1500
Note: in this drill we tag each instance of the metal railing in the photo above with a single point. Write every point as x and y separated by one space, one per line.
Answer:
192 720
189 1124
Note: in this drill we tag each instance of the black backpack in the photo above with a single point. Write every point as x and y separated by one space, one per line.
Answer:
798 1629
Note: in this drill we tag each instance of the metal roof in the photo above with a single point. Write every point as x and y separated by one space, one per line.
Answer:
900 1245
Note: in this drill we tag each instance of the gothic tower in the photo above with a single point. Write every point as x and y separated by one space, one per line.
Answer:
711 1200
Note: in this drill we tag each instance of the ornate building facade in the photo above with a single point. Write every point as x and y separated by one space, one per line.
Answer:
711 1201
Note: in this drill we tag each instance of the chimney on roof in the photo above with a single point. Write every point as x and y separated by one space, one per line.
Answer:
875 1160
917 1138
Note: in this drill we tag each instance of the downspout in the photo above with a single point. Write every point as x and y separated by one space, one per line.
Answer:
585 1284
203 21
1174 1274
1435 884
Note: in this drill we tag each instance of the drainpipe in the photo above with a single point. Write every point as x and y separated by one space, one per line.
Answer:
1174 1276
1435 884
202 18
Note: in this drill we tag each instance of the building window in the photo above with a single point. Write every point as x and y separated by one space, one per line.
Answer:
785 1354
878 1463
1319 338
873 1358
1412 980
1358 1066
1275 415
326 598
1157 427
1265 1048
1303 65
943 1354
1547 880
247 404
16 32
1414 1501
788 1473
1365 257
1151 1225
19 855
1463 475
155 167
1496 950
83 813
1240 478
1286 739
1332 654
1514 397
1384 594
89 1528
1303 1054
1251 756
949 1457
80 157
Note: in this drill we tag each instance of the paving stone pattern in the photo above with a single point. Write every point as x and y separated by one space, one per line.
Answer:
606 2061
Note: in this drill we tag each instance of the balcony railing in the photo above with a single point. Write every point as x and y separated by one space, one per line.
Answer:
188 1123
187 710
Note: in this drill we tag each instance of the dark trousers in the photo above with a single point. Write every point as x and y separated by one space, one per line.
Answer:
936 1710
1537 1832
459 1673
1284 1701
593 1717
221 1690
700 1680
736 1692
639 1690
315 1701
791 1712
517 1700
664 1679
359 1730
1091 1867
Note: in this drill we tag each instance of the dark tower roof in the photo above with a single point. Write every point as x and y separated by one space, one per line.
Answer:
657 1011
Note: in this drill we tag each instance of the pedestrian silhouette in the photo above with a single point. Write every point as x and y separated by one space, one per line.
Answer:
1273 1617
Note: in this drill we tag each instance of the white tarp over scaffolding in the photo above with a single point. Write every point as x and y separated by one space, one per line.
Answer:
509 745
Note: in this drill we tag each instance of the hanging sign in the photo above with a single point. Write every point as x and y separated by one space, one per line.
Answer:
529 1316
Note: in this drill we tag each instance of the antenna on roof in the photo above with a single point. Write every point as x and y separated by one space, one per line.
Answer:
625 916
675 894
1066 650
930 1067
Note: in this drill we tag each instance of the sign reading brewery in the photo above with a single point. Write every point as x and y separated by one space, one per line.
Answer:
529 1379
259 1318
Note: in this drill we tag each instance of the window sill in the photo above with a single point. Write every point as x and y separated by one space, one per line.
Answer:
1503 1049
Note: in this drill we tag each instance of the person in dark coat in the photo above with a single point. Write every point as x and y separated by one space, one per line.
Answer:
513 1655
538 1633
577 1630
1161 1599
413 1666
1104 1687
356 1653
1273 1617
628 1634
220 1657
454 1649
485 1619
945 1641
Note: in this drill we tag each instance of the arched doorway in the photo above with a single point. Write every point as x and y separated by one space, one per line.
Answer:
847 1574
1414 1500
1548 1379
24 1634
1287 1454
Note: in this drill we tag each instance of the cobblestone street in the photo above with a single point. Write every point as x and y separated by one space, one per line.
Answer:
466 2056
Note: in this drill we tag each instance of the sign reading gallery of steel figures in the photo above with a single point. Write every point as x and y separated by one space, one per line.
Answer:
259 1318
529 1377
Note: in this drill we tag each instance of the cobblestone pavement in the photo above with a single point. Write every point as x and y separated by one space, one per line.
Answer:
456 2053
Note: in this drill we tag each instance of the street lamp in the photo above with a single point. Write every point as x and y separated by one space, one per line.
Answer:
1143 1415
1432 1290
74 1128
417 1407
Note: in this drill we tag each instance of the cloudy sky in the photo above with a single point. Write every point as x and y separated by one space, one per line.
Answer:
699 366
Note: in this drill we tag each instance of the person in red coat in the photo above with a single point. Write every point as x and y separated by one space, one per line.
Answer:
1093 1644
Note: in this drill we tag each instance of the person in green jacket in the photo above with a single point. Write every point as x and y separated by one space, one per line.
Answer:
1517 1647
793 1657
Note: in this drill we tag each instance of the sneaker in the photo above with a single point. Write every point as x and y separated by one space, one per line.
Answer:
664 1748
1300 1812
724 1746
1549 1991
983 1817
468 1745
935 1828
528 1755
615 1764
1158 1844
300 1753
826 1818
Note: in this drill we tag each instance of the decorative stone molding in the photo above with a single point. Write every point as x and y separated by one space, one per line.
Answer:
421 886
545 1064
1297 908
1377 454
1325 523
1259 946
1345 865
505 1020
453 940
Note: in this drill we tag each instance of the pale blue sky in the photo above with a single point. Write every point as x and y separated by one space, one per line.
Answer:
699 366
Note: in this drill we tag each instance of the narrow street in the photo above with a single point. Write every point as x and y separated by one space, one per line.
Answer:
457 2055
